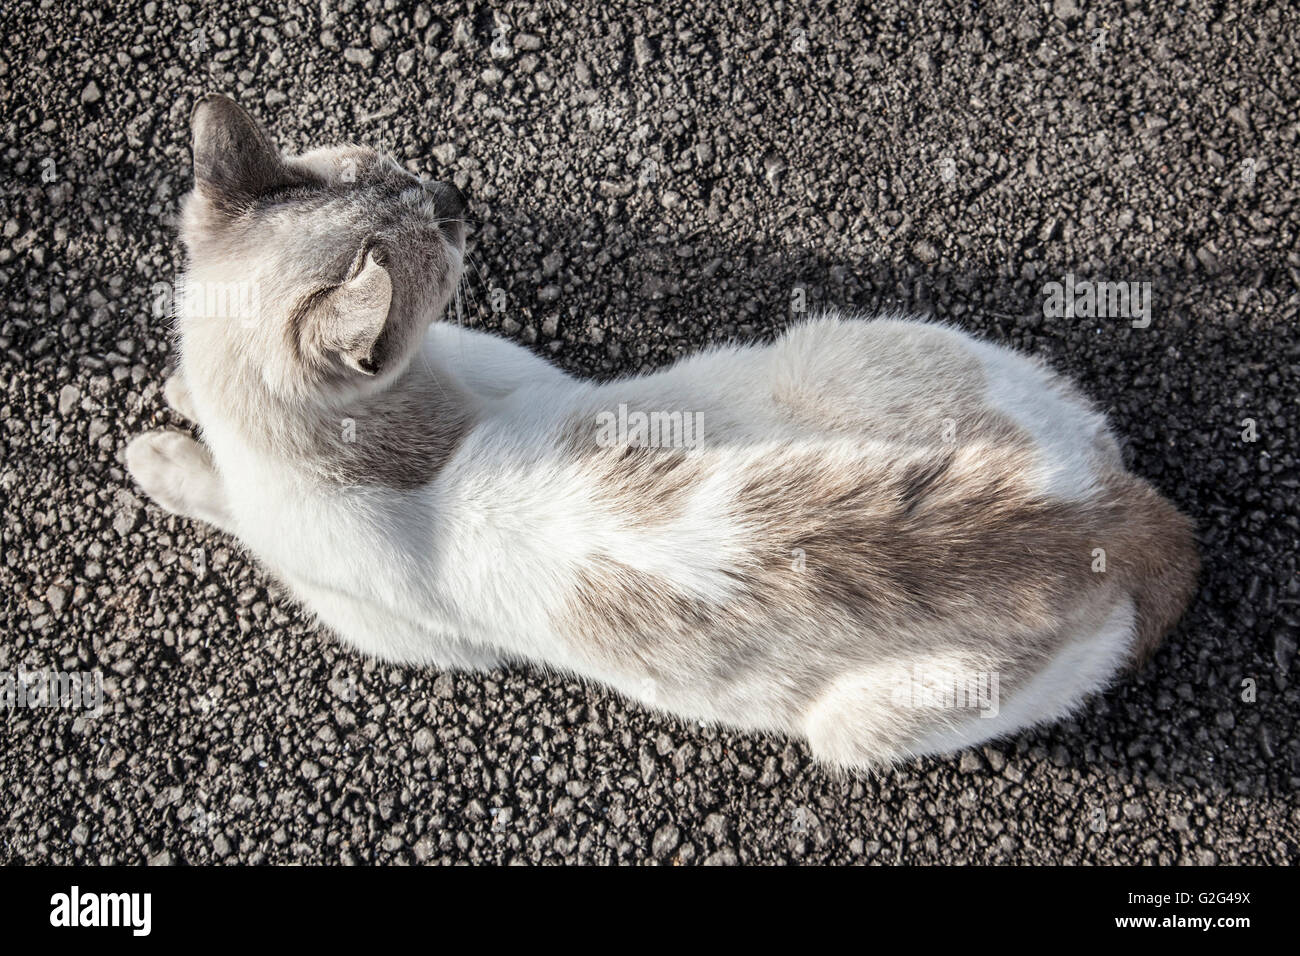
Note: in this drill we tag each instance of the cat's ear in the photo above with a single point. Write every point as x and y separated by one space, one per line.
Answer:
235 161
355 314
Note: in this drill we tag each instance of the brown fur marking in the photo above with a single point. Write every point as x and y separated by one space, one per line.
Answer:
935 552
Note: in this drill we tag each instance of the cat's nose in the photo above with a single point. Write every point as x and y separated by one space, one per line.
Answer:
450 200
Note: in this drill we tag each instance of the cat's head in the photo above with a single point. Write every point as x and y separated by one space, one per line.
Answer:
310 272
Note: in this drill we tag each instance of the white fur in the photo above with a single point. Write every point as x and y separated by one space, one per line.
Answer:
1086 662
1065 431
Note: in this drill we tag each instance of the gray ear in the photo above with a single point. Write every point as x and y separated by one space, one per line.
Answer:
355 315
235 161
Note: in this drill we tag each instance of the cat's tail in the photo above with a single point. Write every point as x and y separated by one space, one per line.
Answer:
1158 563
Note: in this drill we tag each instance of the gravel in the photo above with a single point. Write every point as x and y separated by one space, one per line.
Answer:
647 184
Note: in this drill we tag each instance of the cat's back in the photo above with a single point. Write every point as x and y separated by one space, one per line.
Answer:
883 493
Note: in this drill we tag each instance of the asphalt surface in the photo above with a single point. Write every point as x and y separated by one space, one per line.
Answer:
647 184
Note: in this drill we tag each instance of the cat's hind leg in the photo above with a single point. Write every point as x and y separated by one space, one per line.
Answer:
855 723
878 715
177 473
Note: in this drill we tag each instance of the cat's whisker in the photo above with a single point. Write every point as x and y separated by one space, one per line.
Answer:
478 271
466 285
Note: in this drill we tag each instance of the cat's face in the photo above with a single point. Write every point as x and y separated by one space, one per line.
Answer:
313 272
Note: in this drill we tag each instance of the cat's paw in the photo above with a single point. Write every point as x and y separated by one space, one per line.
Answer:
177 394
177 473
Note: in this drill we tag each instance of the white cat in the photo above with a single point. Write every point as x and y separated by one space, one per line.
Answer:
883 537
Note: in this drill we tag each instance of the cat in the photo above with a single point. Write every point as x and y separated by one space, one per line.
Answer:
884 537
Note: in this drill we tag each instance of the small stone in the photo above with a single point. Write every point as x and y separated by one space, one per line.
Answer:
665 841
362 58
56 597
1267 747
124 522
773 167
644 52
1284 648
1065 9
69 396
970 762
995 758
91 93
717 826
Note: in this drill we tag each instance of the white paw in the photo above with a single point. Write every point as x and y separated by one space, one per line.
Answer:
176 472
177 394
